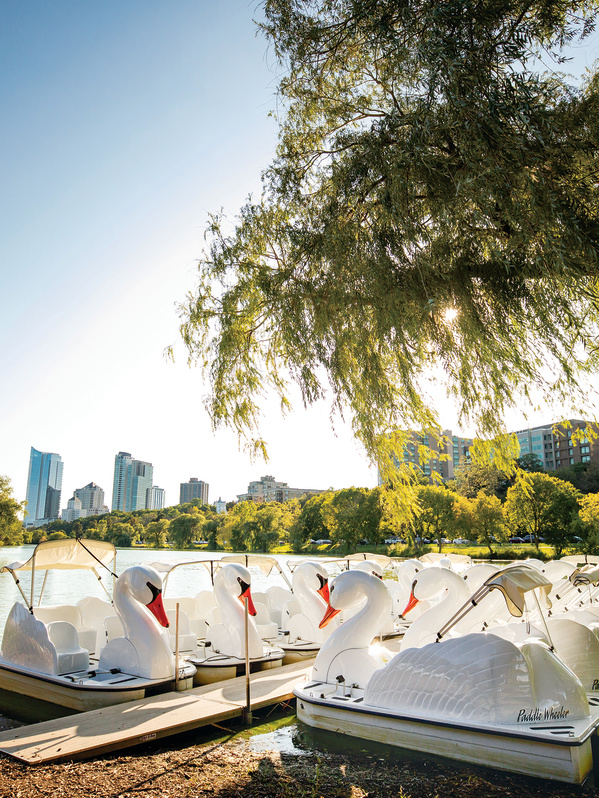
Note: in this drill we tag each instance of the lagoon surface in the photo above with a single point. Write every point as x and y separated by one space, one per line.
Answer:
68 587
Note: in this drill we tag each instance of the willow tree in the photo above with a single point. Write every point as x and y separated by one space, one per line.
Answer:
432 205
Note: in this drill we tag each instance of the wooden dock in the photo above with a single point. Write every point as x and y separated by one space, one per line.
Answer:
123 725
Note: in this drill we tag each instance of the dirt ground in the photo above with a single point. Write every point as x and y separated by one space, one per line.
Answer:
232 766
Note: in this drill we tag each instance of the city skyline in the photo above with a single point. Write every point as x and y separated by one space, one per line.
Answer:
120 138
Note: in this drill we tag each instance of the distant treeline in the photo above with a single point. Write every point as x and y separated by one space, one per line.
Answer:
481 505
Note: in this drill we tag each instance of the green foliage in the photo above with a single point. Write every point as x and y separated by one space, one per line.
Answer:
59 535
584 476
436 518
473 477
121 534
234 526
312 521
530 462
210 532
354 514
488 521
270 522
183 529
543 506
589 523
433 202
157 533
11 525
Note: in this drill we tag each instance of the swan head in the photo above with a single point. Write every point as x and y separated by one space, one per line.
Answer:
431 582
144 584
315 575
349 589
236 580
370 567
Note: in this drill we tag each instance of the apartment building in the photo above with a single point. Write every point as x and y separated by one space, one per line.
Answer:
267 489
560 445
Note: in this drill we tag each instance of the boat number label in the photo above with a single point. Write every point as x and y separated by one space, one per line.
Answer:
535 715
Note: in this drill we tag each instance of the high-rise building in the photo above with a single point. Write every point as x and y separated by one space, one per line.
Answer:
559 446
132 478
194 489
556 444
85 502
155 498
73 510
446 453
220 506
267 489
44 485
91 497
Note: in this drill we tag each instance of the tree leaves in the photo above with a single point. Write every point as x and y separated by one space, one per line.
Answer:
424 164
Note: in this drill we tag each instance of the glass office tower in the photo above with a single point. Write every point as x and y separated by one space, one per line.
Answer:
44 486
132 478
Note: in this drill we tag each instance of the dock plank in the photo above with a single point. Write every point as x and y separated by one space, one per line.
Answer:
124 725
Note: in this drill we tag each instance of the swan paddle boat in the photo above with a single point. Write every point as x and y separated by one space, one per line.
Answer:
478 698
47 661
223 656
303 637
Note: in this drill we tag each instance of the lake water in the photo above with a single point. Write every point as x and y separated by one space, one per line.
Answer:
68 587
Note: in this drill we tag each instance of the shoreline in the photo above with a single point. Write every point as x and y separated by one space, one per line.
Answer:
204 766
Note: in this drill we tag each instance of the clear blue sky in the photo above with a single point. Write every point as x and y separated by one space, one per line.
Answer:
124 125
125 122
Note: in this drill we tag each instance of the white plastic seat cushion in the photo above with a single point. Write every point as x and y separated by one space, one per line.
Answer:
93 611
71 614
187 639
70 656
267 629
113 627
277 596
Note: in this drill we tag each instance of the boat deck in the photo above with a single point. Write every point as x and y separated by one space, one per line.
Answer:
123 725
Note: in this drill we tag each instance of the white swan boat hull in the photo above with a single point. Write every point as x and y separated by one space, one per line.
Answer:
80 691
556 750
216 667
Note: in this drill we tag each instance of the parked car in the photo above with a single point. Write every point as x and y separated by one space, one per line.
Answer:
320 542
460 542
516 540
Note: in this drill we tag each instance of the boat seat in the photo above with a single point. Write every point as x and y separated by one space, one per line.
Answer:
70 656
205 601
71 614
113 627
214 616
189 605
263 598
187 639
277 597
93 611
290 608
267 629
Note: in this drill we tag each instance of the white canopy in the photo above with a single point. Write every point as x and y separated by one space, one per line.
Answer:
517 580
66 554
433 557
265 563
513 582
579 577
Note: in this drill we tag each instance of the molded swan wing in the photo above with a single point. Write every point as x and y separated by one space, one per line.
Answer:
478 677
